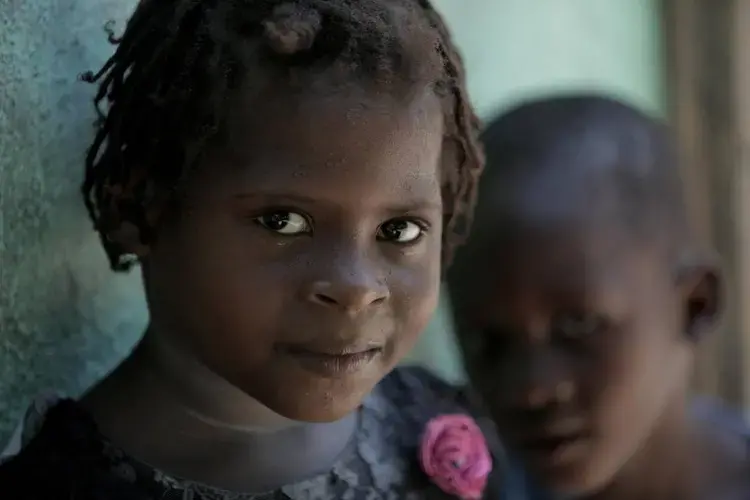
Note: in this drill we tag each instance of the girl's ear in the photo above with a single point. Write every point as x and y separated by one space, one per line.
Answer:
127 237
131 241
701 286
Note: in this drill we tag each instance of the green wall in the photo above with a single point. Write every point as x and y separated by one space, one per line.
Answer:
64 319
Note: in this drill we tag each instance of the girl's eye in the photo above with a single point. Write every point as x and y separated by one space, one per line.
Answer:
284 222
400 231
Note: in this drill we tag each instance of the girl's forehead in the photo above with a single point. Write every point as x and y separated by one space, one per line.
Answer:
322 147
286 120
279 100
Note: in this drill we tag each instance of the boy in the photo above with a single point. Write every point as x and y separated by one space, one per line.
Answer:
580 301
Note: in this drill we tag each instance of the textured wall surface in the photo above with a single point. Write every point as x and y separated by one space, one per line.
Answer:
64 318
57 297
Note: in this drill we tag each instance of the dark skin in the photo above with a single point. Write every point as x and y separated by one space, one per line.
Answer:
263 274
578 331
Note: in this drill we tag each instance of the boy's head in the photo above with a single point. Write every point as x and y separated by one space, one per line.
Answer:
580 295
292 177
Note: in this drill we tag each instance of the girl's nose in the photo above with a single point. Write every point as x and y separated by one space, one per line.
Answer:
350 296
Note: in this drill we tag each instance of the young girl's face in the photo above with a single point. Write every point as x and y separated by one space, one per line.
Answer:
574 339
305 258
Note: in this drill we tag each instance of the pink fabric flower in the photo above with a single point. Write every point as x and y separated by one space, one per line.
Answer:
454 455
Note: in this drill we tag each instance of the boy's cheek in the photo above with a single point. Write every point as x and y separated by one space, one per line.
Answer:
483 369
492 386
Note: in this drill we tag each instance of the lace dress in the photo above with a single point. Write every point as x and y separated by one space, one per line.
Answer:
64 457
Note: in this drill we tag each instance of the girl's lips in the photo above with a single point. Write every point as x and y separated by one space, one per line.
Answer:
333 363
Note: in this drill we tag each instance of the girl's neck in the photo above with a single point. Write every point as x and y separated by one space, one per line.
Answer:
201 392
166 409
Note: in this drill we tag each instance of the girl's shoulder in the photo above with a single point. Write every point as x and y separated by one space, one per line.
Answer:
61 455
410 398
414 386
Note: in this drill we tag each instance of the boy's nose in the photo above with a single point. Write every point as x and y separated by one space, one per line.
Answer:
536 397
547 381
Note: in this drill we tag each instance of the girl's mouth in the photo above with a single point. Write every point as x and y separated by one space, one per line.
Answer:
333 363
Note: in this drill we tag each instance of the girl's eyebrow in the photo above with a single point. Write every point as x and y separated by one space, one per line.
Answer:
411 206
417 206
276 195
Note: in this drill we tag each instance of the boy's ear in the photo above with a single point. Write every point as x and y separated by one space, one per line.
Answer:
700 283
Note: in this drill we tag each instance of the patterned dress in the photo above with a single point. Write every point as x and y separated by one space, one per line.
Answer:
64 457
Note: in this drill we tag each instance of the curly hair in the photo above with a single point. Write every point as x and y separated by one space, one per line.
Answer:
160 97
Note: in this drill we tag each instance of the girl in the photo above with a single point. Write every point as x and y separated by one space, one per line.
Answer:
581 305
292 178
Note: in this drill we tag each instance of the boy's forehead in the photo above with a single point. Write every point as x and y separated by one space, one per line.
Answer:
545 278
564 259
557 196
569 246
562 208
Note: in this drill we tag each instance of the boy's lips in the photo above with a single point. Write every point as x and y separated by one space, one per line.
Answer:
547 441
555 445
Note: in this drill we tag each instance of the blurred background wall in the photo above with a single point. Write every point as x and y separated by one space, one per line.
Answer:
65 319
707 65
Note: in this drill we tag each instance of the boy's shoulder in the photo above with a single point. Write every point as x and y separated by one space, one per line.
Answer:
731 427
716 412
732 435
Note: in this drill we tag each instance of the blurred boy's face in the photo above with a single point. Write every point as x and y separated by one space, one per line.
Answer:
574 336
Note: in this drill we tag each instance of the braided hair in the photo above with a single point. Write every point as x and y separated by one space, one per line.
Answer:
160 97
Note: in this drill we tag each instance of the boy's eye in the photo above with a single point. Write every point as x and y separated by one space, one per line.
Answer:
284 222
495 344
400 231
579 325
